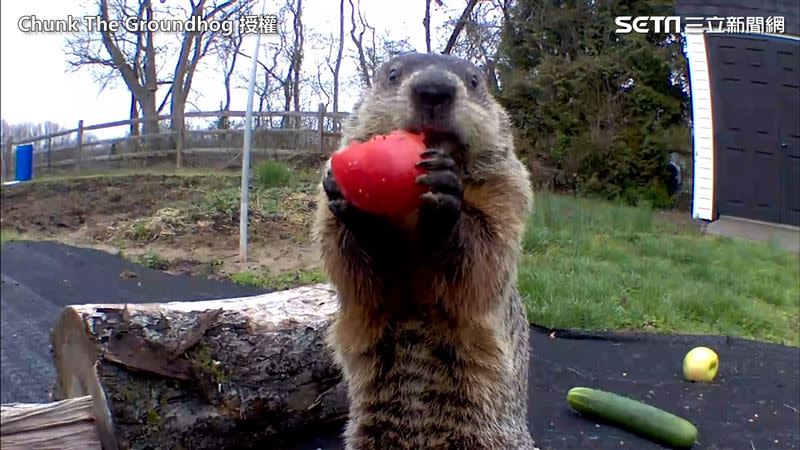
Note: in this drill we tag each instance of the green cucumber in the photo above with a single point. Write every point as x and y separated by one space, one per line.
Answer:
633 415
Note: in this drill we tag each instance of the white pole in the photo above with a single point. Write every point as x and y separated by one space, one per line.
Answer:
248 136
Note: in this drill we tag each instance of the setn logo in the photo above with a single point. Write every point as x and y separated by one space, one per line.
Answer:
642 24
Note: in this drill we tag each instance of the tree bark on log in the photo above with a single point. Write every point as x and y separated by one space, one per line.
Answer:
65 425
222 374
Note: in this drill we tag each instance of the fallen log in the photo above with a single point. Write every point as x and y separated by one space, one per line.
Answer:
222 374
66 425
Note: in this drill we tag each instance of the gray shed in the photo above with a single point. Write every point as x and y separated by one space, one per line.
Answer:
745 88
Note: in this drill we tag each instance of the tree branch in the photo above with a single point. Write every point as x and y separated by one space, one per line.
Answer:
459 26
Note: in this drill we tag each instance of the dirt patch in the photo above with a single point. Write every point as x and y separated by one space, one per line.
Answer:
55 206
181 224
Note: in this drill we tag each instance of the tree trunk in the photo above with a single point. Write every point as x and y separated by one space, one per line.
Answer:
134 114
144 93
223 374
287 105
63 425
338 58
229 75
491 76
179 127
427 23
357 35
298 59
147 102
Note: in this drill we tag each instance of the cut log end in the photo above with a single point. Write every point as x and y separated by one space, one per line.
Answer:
76 358
67 424
209 374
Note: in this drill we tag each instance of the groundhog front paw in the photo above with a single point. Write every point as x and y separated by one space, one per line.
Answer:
337 204
361 223
441 206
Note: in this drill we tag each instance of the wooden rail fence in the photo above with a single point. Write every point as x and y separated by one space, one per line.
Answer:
297 132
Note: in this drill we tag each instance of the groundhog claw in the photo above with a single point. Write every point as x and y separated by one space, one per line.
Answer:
441 175
337 204
441 206
339 208
435 154
442 181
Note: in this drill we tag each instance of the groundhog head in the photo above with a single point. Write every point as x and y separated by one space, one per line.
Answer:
443 96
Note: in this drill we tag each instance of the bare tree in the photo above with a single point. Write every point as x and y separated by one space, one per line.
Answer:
130 56
297 54
357 32
294 55
338 65
228 53
322 82
459 26
371 49
281 77
27 130
271 83
134 56
479 41
329 88
194 46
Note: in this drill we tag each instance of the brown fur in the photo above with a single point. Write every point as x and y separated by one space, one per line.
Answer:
433 342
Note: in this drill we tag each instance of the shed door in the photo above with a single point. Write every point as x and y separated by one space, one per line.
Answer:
755 92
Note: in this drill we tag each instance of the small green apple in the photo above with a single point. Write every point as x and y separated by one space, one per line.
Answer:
700 364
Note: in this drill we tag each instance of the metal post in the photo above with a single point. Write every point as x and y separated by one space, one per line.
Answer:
248 136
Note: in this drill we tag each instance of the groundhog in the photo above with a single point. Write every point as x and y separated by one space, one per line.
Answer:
430 333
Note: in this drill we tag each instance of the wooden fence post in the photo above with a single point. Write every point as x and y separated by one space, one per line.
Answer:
79 146
7 158
49 158
47 145
321 127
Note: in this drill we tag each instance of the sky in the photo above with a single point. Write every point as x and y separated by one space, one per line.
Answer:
36 86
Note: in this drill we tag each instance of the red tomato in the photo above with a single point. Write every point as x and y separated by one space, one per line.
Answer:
379 176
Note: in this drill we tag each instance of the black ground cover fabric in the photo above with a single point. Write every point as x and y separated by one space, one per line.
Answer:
752 404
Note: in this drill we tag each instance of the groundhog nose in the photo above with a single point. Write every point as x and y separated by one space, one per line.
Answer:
433 91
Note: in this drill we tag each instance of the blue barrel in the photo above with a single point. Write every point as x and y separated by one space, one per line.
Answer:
24 169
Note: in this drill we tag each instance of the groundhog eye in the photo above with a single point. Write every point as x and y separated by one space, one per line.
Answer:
473 80
393 76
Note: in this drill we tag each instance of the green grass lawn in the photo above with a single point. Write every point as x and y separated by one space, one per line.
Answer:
7 236
279 282
590 264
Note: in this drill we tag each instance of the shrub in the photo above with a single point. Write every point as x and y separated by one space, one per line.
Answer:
597 113
271 174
